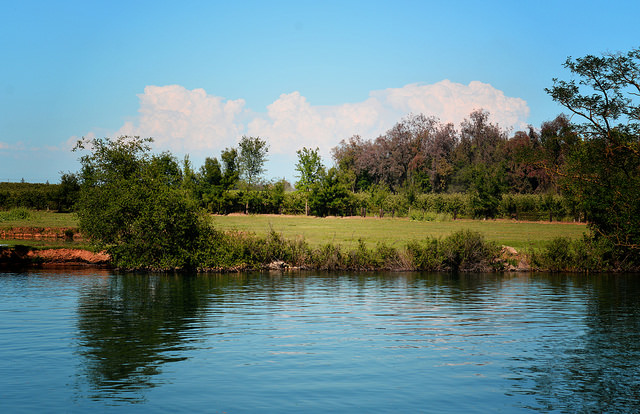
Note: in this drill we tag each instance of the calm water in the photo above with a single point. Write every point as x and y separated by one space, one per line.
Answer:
75 341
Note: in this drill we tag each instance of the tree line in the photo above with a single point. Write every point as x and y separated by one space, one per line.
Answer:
400 170
586 166
59 197
420 164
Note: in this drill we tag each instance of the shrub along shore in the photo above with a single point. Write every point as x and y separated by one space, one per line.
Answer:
461 251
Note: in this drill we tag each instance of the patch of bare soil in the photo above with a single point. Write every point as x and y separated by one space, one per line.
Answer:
69 256
25 256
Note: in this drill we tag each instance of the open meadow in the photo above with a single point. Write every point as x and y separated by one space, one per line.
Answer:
396 231
345 231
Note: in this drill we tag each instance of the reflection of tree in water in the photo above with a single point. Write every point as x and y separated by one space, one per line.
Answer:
133 324
598 371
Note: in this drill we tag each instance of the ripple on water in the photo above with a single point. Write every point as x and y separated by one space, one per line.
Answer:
80 340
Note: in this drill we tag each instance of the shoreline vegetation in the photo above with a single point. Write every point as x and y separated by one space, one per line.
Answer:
149 211
234 250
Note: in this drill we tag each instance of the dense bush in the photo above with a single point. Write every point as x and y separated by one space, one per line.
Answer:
461 251
19 213
589 254
28 195
132 206
456 204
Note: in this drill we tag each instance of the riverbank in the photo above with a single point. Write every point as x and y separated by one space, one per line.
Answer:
289 243
29 257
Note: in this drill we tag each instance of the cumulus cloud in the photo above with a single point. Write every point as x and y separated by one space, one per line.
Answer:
291 122
191 120
186 120
452 102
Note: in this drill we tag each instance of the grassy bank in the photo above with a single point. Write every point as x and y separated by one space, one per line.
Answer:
242 242
396 232
40 229
21 217
347 232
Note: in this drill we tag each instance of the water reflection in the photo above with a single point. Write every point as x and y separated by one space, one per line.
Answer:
130 325
529 342
599 369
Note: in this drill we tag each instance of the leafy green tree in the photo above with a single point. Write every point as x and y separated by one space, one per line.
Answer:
310 170
274 197
253 155
602 168
331 195
67 192
486 190
231 168
210 183
167 169
131 206
378 197
189 178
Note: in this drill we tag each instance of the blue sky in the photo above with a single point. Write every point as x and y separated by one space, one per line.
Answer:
198 75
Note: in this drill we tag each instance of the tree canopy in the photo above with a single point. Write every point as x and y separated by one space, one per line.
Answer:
253 155
602 147
132 205
310 170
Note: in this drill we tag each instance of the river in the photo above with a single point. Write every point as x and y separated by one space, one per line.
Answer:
95 340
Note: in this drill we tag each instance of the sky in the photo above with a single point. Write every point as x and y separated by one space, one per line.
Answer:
198 75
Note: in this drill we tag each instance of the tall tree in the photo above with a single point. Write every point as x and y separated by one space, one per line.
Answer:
230 167
602 169
210 182
253 155
310 170
480 143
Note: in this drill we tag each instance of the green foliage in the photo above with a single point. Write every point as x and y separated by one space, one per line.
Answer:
67 192
294 203
602 169
330 196
588 254
558 254
309 168
486 191
34 196
425 255
456 204
231 168
534 207
19 213
251 159
132 206
463 250
467 250
419 215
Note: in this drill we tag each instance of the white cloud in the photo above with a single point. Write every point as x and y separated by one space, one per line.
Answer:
188 121
453 102
291 122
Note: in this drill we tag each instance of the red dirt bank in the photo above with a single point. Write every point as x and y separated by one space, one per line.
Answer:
46 257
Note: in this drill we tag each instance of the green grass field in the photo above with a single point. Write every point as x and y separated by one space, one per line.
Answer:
345 231
39 220
43 219
397 231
